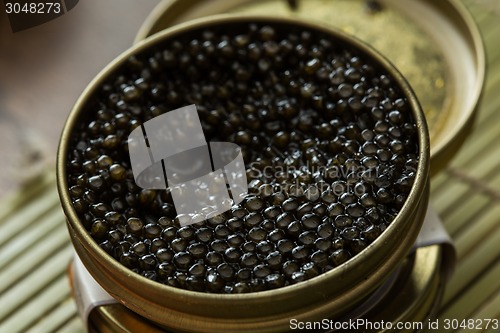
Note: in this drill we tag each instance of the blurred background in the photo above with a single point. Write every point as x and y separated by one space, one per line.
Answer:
43 70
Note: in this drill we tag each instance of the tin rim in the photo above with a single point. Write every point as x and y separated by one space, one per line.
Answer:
418 292
163 304
458 125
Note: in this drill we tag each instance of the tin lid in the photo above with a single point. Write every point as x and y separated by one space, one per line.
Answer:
435 44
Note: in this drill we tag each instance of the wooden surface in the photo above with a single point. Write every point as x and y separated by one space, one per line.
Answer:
34 291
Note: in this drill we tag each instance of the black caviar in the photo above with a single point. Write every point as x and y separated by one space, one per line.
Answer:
327 137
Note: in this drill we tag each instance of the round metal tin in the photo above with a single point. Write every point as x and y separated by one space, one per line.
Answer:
340 289
435 44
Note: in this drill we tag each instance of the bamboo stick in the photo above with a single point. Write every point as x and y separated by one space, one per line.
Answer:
487 166
490 32
47 299
491 100
73 326
438 181
39 252
471 266
40 277
490 309
469 239
445 199
27 215
471 299
20 198
39 229
56 319
463 215
482 138
495 183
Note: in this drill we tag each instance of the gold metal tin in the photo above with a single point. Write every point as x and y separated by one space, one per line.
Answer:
413 298
434 43
328 295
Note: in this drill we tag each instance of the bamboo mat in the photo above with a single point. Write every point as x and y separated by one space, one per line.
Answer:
34 289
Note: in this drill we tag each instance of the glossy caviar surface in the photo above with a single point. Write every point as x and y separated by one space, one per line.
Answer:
327 137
